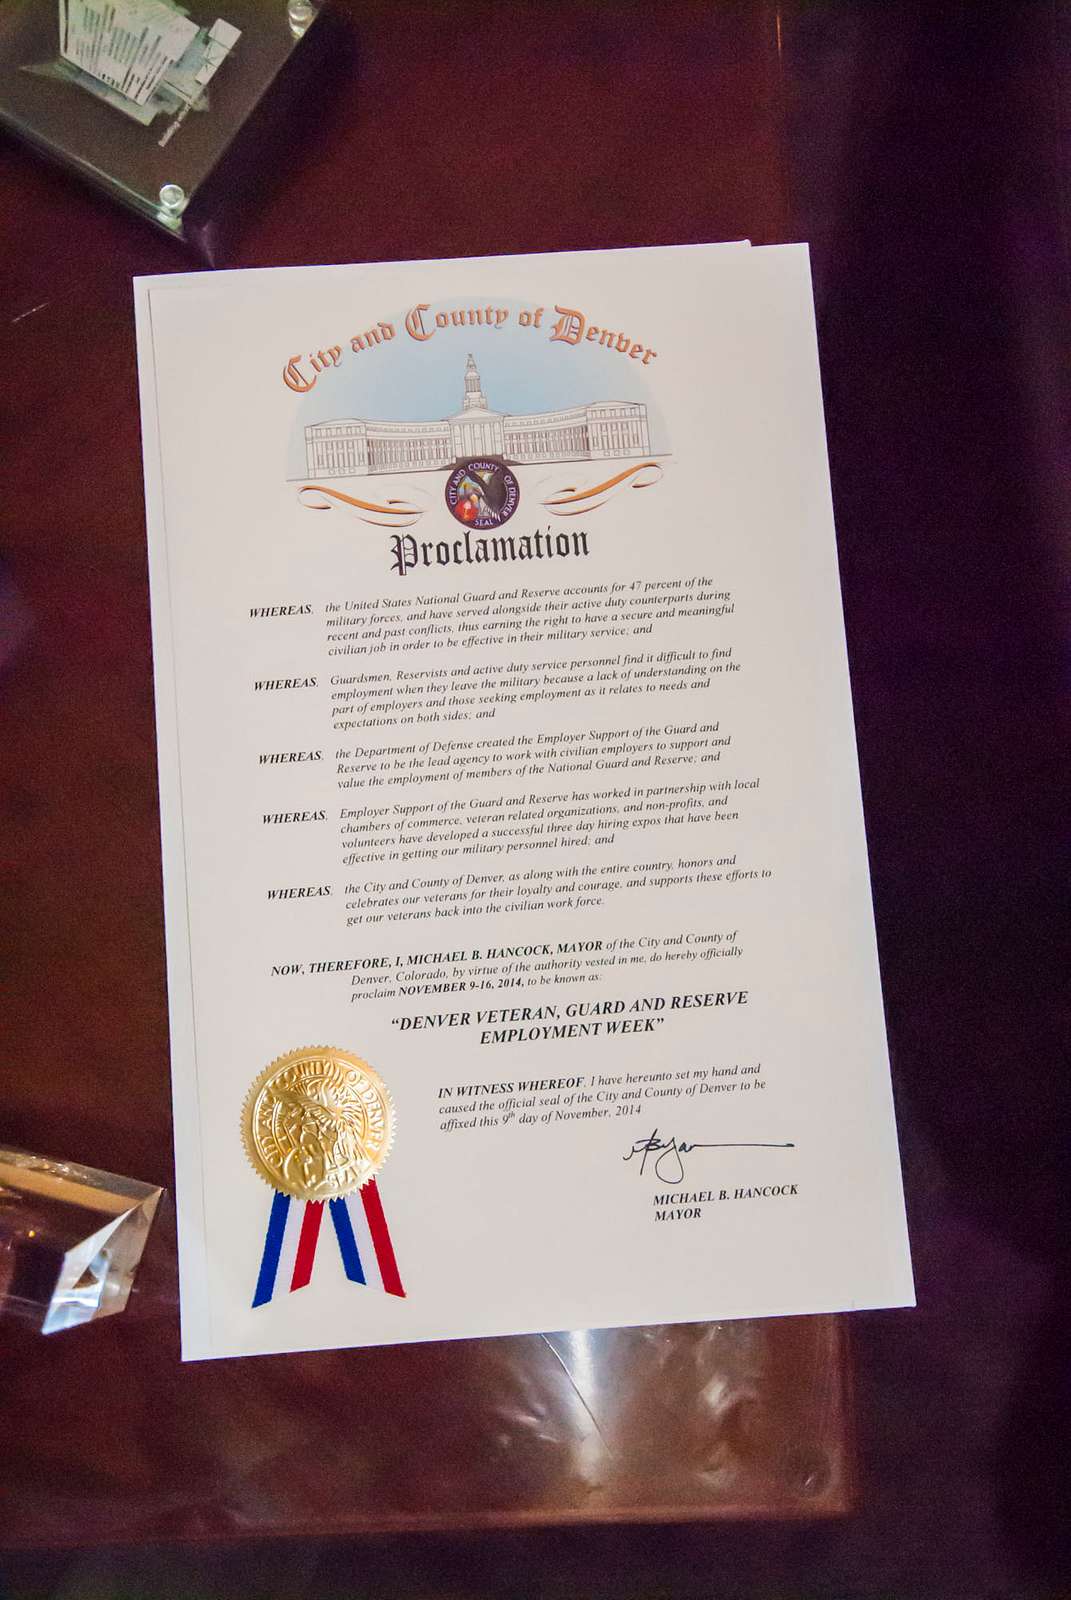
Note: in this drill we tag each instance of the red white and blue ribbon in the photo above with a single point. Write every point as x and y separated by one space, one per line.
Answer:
361 1233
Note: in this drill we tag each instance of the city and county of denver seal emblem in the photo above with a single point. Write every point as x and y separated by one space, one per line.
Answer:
318 1123
482 493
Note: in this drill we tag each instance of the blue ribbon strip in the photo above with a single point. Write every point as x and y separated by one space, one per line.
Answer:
273 1244
347 1243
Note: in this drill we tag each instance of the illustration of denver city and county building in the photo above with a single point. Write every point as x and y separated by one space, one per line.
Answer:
352 446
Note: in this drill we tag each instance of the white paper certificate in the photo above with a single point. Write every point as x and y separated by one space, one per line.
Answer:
506 748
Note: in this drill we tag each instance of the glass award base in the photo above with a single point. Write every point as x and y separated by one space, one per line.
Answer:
167 107
71 1238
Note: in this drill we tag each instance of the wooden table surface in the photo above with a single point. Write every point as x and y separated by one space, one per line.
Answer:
919 151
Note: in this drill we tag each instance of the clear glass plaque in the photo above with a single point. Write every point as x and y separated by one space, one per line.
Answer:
145 97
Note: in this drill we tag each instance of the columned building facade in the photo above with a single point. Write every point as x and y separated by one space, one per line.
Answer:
354 446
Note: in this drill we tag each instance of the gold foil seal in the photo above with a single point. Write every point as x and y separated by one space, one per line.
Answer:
318 1123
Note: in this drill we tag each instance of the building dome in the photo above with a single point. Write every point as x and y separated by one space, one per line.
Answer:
476 430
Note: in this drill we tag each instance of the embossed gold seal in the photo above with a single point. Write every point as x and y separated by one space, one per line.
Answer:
318 1123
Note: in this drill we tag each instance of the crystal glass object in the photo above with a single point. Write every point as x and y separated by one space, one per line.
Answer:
151 99
71 1238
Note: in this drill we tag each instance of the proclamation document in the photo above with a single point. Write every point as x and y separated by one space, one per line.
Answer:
521 959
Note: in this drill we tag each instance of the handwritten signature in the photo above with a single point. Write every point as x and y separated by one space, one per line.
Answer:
668 1164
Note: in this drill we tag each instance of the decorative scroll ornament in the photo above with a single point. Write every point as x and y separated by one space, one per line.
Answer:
385 514
570 501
